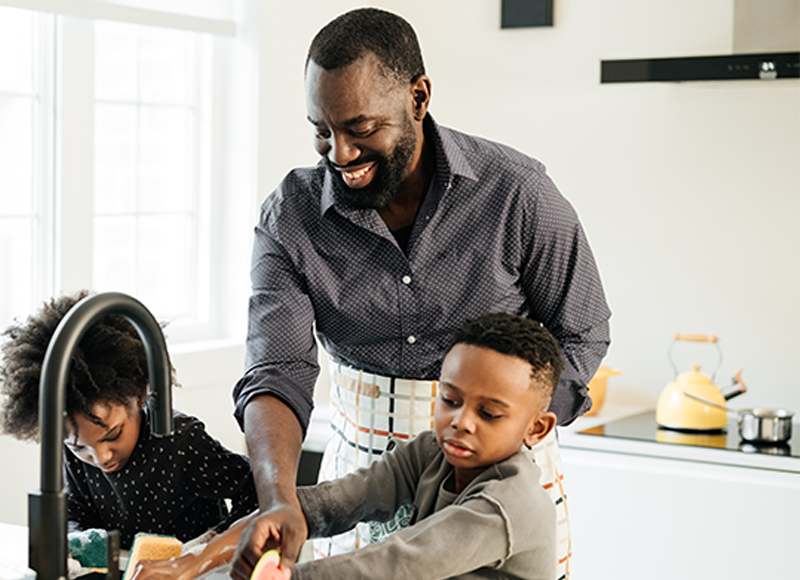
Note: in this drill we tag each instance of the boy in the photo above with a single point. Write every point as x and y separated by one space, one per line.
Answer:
479 510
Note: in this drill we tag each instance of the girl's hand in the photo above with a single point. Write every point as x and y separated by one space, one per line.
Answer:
183 568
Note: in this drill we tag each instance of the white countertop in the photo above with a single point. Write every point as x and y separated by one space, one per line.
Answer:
14 542
570 437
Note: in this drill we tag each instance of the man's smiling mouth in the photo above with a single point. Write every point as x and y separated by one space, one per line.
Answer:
360 177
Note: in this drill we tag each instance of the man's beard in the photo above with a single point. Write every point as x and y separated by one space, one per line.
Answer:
389 173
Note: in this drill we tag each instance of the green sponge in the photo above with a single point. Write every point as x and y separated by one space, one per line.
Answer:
89 547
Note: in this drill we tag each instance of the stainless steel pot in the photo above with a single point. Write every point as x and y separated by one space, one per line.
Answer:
765 425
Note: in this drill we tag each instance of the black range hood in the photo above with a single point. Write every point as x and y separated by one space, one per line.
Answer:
765 45
764 66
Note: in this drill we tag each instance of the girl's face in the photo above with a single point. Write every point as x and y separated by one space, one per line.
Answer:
107 446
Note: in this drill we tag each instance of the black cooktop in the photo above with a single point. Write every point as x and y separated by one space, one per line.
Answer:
643 427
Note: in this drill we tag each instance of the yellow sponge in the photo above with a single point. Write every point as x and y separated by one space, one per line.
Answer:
267 567
151 547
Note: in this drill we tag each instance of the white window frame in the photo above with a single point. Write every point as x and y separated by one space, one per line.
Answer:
65 240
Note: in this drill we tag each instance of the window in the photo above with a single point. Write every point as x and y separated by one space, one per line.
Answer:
24 160
151 170
112 156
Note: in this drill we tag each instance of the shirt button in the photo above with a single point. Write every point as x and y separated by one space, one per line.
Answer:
406 279
411 339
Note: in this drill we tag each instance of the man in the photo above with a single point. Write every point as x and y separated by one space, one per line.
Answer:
401 232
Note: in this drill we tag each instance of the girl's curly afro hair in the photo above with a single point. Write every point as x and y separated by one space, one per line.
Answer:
109 365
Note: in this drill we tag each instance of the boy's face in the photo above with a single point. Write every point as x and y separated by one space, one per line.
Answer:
486 409
110 446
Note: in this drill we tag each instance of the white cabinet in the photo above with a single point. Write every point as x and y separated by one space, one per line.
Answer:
648 510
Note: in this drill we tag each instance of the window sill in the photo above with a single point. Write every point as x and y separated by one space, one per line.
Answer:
208 362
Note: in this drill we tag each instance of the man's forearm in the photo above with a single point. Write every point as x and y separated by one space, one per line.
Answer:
274 437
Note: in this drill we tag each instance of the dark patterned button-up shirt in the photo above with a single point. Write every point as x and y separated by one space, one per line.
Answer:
493 233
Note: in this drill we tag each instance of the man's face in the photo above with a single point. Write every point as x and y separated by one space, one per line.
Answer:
363 129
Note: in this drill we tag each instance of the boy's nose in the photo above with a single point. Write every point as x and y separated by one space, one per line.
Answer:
463 421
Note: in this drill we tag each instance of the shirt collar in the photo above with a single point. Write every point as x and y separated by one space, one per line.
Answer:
450 162
450 158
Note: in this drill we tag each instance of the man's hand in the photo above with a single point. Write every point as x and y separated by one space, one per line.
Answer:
283 528
274 438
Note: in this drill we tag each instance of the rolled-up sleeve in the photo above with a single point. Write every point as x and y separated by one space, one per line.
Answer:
281 355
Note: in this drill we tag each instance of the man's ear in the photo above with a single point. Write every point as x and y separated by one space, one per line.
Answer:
540 427
421 95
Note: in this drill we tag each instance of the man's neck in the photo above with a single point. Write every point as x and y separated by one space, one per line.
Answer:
402 210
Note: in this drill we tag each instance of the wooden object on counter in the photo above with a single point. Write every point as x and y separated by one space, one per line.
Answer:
597 388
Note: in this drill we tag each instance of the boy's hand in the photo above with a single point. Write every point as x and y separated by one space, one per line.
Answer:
283 528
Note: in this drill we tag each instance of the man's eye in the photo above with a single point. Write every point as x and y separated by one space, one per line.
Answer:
361 134
322 134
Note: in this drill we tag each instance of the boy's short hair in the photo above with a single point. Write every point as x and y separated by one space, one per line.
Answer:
109 364
355 33
519 337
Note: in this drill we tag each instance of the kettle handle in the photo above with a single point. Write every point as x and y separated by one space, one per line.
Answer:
688 336
691 337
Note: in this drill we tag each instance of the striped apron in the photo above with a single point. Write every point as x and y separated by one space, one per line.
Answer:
368 410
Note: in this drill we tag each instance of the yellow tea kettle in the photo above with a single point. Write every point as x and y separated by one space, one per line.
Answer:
676 410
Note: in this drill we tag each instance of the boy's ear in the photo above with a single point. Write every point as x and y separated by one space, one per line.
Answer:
540 427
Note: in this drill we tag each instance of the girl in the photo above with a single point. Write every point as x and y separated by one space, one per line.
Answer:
118 476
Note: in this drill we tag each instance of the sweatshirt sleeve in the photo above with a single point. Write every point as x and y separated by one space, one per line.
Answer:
430 549
372 493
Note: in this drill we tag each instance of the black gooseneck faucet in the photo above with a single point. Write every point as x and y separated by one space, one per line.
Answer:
47 507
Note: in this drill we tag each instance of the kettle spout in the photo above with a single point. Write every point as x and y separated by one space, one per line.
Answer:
737 380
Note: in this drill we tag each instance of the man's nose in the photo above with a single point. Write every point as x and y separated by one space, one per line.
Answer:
342 150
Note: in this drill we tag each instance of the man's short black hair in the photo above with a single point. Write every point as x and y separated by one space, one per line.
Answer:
518 337
363 30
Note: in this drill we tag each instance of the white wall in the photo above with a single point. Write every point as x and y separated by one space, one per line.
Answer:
689 192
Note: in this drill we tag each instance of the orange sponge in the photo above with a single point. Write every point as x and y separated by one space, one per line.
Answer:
267 567
151 547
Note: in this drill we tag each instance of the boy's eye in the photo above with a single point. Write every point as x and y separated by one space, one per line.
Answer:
490 416
448 402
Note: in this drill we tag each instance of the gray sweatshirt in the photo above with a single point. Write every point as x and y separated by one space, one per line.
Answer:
503 525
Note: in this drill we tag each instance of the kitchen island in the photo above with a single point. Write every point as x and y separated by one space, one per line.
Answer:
14 555
650 503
